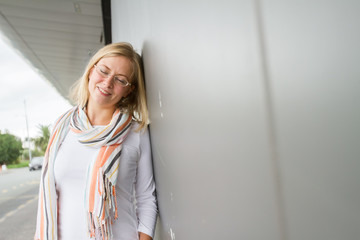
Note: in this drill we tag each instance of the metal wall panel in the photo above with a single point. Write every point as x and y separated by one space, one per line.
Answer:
314 55
254 109
208 121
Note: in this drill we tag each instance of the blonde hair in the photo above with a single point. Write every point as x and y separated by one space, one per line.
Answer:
135 102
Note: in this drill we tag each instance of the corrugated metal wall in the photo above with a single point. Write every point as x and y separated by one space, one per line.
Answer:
255 115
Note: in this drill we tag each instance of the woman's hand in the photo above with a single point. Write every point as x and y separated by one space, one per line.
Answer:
143 236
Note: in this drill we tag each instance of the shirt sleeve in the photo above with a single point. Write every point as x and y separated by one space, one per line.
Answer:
145 188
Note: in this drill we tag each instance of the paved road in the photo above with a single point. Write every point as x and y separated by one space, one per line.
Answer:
18 203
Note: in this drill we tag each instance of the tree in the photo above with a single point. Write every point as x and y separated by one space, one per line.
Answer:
10 148
41 141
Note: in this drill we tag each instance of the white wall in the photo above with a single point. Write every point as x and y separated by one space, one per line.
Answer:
255 114
314 56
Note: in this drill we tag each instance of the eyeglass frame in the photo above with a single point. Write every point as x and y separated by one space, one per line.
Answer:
107 75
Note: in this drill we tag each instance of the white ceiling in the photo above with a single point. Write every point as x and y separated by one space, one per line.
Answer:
57 37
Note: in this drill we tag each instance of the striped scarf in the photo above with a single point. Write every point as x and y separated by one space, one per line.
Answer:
100 196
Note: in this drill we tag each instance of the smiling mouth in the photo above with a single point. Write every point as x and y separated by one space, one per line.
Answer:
103 91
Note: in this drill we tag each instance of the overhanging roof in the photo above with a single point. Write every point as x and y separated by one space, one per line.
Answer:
57 37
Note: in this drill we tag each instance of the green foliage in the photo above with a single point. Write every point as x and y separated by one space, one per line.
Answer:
41 141
10 148
21 164
34 153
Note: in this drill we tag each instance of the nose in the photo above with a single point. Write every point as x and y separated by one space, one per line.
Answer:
108 81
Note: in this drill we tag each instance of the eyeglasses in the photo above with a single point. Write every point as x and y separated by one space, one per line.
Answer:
119 79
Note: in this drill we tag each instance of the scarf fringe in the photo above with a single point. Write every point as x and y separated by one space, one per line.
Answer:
100 224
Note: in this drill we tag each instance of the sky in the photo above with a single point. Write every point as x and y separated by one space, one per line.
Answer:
19 83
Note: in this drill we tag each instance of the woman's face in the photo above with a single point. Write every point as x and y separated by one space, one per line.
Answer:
106 92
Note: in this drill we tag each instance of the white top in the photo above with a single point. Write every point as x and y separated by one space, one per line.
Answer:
135 182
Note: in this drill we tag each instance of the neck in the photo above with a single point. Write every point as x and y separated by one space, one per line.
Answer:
99 116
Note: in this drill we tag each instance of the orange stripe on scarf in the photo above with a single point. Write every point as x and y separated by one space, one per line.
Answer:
75 130
122 126
50 143
103 155
42 218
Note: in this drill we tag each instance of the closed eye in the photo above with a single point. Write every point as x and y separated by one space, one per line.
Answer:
103 71
120 80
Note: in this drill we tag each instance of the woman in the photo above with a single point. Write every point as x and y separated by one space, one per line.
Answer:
98 161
